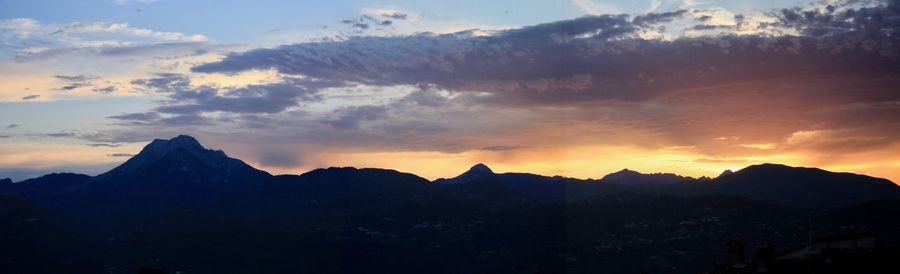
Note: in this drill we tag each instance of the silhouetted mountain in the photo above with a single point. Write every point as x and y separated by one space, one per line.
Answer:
6 181
805 187
166 174
725 173
181 207
35 240
538 187
184 160
52 185
476 172
631 177
331 189
322 220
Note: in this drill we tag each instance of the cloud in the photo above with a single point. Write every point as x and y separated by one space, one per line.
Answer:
30 97
592 7
498 148
30 39
104 145
118 50
351 117
396 15
280 158
654 5
123 29
648 82
120 155
75 81
12 126
585 59
186 99
59 135
163 82
604 69
155 119
105 90
139 117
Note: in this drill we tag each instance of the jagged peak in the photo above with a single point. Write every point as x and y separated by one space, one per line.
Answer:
635 177
180 141
175 148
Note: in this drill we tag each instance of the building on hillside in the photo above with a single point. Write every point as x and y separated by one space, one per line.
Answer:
848 253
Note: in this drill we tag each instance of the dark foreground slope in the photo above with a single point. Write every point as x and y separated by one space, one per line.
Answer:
183 208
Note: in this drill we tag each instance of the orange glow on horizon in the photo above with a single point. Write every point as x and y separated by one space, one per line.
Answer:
581 162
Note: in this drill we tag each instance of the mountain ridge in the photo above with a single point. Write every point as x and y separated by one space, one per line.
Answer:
178 207
184 172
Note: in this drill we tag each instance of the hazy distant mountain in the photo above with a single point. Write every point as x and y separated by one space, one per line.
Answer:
631 177
538 187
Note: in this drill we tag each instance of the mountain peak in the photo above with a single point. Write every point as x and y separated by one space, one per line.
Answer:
725 173
180 141
625 171
182 156
478 171
481 168
6 181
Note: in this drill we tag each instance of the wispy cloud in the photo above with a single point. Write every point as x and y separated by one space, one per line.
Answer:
29 37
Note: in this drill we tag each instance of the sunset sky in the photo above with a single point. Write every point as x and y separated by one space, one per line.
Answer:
577 88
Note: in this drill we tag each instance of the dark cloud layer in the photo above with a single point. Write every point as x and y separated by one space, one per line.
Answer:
594 58
351 117
186 99
140 116
104 145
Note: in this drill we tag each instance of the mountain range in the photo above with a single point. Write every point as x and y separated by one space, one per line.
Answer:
179 206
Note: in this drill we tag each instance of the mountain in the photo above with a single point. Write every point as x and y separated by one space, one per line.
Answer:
36 240
183 159
51 185
804 187
537 187
631 177
184 208
476 172
165 175
350 220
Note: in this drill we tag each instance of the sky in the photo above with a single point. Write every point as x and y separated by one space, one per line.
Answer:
577 88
